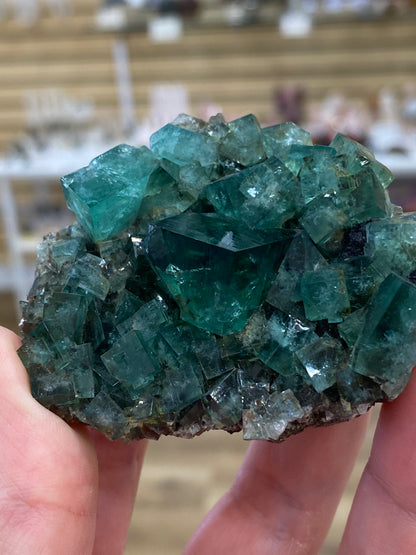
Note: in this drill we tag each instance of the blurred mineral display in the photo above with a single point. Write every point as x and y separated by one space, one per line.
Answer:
229 277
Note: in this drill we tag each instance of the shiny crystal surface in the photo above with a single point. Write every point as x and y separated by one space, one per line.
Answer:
229 277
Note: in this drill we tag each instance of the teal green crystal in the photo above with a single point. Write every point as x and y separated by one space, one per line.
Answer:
317 170
243 142
357 157
324 295
392 243
322 360
277 139
106 195
351 327
387 341
182 146
284 336
285 292
249 195
87 276
129 362
229 277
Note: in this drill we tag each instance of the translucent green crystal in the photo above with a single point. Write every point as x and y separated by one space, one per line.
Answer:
284 336
224 402
129 362
302 256
181 146
277 139
87 276
324 295
322 360
316 167
106 195
357 157
227 275
82 370
393 242
243 142
231 277
386 346
250 194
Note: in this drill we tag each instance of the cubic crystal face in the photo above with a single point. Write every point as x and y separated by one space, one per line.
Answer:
227 275
231 277
107 195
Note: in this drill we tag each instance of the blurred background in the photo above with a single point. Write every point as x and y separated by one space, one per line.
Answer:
79 76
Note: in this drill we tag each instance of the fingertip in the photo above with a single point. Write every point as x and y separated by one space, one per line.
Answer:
12 371
118 450
9 337
387 491
397 421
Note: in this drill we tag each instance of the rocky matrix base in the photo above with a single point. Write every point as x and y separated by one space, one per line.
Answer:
231 277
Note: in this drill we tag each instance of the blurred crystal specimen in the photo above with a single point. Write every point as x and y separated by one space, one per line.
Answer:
229 277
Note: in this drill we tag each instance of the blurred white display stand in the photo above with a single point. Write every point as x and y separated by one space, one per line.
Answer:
296 22
111 18
48 106
26 12
401 165
166 28
124 86
166 101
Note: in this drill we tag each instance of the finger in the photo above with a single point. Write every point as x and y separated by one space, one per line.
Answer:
383 515
47 470
119 466
13 376
285 495
10 336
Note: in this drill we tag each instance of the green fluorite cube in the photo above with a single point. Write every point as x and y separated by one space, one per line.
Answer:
357 157
386 347
217 270
87 276
106 195
243 142
129 361
65 314
277 139
250 194
324 295
322 360
393 242
182 146
284 336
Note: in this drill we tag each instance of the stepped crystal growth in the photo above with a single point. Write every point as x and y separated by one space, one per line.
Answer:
228 277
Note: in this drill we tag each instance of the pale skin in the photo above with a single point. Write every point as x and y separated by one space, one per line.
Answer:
71 491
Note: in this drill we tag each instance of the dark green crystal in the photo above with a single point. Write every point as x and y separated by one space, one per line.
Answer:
217 270
231 277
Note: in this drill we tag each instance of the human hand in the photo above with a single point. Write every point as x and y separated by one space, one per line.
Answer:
70 490
63 489
285 495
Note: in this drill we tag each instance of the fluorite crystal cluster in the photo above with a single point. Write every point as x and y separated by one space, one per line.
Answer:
229 277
